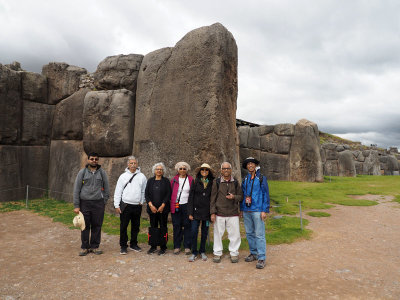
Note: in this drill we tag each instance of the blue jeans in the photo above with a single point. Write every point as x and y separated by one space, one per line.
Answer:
195 232
255 233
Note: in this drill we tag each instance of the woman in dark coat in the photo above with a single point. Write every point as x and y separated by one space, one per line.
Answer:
199 209
158 195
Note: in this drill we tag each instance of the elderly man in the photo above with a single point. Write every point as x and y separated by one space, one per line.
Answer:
128 201
91 193
254 208
226 195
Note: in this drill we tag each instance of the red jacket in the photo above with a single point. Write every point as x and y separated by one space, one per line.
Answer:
175 187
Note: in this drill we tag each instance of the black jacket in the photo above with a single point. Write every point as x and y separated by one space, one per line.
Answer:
199 200
165 192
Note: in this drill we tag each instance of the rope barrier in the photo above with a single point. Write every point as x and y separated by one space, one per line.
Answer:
22 187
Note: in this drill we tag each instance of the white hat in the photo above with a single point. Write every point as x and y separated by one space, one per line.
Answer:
79 221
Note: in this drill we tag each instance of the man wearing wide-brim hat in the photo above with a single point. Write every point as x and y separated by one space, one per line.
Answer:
254 208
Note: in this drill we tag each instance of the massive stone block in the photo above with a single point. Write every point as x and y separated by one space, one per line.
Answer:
265 129
118 72
371 165
36 123
275 166
186 102
284 129
10 106
10 176
305 158
63 80
346 164
331 168
276 144
34 87
254 138
389 165
243 132
67 121
108 120
66 159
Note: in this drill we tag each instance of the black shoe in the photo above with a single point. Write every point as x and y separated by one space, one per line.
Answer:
123 251
84 252
260 264
135 248
250 258
161 252
152 250
97 251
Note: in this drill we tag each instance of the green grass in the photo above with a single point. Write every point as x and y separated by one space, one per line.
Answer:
397 199
318 214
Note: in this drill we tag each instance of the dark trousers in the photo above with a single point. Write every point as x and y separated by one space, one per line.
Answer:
93 212
182 228
159 220
203 239
132 214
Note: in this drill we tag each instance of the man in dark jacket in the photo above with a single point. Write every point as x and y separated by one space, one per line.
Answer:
226 195
254 208
91 193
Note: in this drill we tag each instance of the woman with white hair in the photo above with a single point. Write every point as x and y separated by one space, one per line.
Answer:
180 186
158 195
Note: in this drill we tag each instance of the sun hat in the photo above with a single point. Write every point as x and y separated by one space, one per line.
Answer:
204 166
79 221
249 159
182 164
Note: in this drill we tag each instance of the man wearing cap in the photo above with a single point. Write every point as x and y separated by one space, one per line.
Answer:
254 208
91 193
128 201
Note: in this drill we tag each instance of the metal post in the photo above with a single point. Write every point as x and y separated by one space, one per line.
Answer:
27 195
301 219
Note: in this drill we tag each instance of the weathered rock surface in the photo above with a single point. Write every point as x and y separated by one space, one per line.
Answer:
371 165
331 168
63 80
10 106
36 123
284 129
275 143
118 72
254 138
389 165
108 121
305 159
346 164
243 132
10 179
67 121
197 81
275 166
34 87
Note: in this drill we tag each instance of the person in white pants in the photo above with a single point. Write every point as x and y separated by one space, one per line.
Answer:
226 195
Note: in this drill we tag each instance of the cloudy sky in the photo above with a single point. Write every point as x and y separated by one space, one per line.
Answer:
336 63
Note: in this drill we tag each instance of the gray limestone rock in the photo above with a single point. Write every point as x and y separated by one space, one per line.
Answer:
275 166
118 72
331 154
10 175
305 157
36 123
389 164
371 164
34 87
331 168
186 102
329 146
254 138
243 132
359 167
266 129
67 121
108 122
63 80
284 129
346 164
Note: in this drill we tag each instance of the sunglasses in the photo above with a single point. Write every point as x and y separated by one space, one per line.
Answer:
204 170
93 159
180 169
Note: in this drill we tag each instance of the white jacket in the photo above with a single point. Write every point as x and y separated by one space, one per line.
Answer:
134 191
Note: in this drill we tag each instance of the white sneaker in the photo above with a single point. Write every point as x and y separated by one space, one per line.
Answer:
192 258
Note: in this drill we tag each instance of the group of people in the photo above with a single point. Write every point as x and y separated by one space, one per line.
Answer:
192 202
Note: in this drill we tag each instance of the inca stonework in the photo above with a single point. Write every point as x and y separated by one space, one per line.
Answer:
173 104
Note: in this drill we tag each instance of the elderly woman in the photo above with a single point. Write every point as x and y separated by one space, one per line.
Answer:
199 208
180 186
158 195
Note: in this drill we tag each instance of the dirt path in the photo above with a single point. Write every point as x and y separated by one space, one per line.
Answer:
354 254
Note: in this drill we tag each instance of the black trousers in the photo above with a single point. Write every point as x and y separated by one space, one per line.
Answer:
182 228
93 212
131 214
159 220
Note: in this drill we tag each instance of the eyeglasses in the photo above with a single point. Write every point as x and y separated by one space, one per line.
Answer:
159 169
180 169
95 159
224 169
204 170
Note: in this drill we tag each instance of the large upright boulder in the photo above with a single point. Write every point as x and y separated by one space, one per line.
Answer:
10 178
108 121
305 158
118 72
10 106
371 165
346 164
275 166
63 80
36 123
186 102
34 87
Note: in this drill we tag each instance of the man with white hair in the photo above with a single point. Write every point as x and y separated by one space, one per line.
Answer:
226 195
128 201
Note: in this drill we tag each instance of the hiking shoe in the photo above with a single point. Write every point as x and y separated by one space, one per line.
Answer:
135 248
152 250
161 252
260 264
234 259
177 251
192 258
217 258
97 251
250 258
187 251
123 251
203 256
84 252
